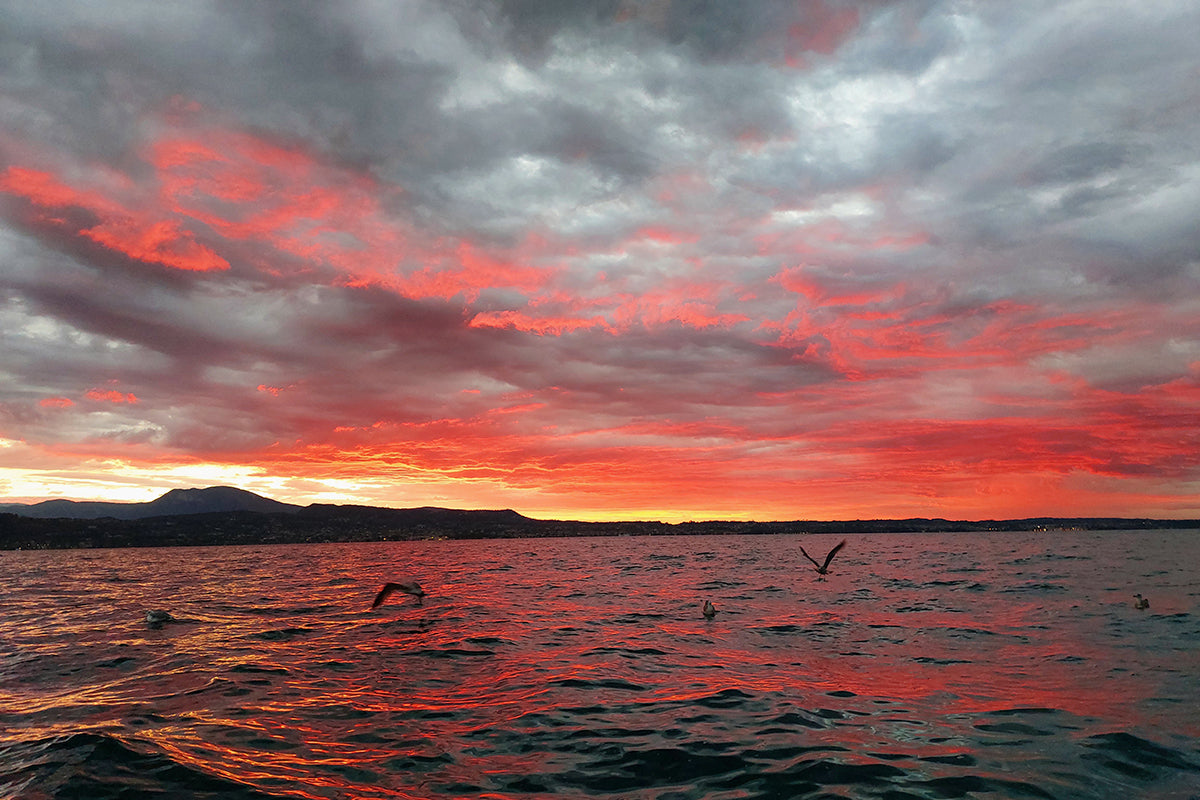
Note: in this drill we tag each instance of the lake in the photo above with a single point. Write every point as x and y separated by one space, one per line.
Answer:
1006 665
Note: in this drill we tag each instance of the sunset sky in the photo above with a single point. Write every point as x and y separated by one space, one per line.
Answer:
624 259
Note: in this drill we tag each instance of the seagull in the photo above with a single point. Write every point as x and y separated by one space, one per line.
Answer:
1140 602
408 587
823 569
710 610
157 618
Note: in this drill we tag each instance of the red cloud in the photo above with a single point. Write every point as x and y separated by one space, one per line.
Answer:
110 396
162 242
145 236
660 308
463 269
247 189
833 292
56 402
542 326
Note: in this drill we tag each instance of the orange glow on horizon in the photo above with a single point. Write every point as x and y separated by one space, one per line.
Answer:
645 482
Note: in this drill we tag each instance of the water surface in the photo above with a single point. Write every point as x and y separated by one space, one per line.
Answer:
925 666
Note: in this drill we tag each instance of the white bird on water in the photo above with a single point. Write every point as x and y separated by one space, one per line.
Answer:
408 587
156 617
1140 603
710 610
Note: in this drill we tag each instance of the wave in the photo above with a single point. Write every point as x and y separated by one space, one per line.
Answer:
1035 587
104 767
453 652
1135 757
281 634
570 675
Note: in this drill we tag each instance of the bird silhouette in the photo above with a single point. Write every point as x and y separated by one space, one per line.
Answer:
823 569
710 610
408 587
1140 602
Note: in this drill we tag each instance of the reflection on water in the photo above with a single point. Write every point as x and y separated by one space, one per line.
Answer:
923 666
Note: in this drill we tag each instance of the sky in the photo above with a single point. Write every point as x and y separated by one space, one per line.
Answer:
621 259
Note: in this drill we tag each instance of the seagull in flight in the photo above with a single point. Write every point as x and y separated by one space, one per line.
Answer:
408 587
823 569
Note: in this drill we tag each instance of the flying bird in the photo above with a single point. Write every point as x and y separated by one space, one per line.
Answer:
1140 602
823 569
710 610
408 587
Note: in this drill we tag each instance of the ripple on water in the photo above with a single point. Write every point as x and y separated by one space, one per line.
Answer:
854 687
1131 756
281 634
105 767
603 683
451 652
1035 587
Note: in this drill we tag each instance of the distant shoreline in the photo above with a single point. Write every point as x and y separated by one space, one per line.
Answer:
326 524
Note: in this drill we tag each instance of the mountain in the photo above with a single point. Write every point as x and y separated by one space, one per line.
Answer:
173 503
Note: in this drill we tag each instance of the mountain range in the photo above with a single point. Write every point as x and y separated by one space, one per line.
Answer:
173 503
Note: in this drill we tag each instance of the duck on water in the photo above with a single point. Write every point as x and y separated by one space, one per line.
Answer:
156 618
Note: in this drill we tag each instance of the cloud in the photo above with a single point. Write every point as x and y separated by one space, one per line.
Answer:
110 396
640 257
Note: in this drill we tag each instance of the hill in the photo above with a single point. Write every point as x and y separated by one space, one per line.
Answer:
173 503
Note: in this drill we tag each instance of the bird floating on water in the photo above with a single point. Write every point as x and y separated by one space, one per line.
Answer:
157 618
710 610
408 587
1140 602
823 569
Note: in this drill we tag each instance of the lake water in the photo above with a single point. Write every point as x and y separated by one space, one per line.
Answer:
926 666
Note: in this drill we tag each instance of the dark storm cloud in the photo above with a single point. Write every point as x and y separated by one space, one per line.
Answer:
530 26
709 29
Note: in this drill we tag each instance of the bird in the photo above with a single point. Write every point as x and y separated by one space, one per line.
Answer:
408 587
1140 602
157 618
710 610
823 569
